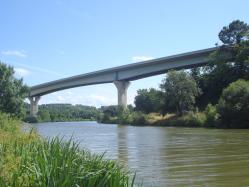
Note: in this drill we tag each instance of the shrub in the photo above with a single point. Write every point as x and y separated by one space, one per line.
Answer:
31 119
8 123
233 105
211 116
194 119
138 118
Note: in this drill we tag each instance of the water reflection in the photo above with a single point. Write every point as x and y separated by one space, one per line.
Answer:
215 158
122 144
167 156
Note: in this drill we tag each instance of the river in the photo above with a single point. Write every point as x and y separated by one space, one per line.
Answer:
165 156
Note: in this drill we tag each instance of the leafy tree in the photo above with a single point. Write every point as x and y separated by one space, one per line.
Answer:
179 92
44 116
148 101
66 112
233 105
228 63
12 92
234 33
111 111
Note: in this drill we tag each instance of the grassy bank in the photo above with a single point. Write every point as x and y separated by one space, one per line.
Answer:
27 160
191 119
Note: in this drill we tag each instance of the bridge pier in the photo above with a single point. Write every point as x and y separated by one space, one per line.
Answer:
34 105
122 87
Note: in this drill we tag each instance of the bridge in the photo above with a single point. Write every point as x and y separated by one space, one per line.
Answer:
121 75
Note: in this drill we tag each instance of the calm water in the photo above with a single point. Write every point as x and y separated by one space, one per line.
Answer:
166 156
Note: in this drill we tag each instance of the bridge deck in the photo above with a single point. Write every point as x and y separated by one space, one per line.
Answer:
128 72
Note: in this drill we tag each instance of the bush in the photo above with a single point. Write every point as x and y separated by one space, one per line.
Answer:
233 105
194 119
31 119
8 123
211 116
138 118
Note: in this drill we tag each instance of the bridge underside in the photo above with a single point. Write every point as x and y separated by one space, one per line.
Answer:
122 75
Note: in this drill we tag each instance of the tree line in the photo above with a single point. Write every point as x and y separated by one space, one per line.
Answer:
218 91
62 112
221 86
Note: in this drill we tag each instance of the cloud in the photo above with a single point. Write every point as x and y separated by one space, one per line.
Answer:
37 69
141 58
100 100
16 53
79 98
21 72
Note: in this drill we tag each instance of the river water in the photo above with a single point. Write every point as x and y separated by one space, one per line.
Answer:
166 156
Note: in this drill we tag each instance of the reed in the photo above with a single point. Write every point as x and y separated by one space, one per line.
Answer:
27 160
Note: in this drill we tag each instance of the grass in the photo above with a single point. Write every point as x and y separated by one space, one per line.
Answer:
190 119
27 160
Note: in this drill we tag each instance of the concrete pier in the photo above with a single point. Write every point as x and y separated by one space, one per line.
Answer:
34 105
122 87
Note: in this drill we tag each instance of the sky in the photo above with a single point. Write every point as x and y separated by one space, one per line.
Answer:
46 40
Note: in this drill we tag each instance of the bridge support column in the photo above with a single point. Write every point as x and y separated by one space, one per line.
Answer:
34 105
122 87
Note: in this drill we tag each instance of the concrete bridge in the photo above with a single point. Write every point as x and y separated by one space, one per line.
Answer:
121 75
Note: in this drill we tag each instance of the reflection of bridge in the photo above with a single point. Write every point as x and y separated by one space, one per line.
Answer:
121 76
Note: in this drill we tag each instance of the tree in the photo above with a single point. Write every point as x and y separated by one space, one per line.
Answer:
111 110
234 33
44 116
179 91
228 63
148 101
12 92
233 106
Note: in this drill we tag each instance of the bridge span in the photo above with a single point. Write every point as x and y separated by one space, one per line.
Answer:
121 75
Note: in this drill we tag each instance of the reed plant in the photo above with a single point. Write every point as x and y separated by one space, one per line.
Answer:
28 160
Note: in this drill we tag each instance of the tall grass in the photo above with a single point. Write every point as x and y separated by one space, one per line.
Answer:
27 160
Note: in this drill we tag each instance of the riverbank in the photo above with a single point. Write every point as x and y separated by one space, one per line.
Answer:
191 119
28 160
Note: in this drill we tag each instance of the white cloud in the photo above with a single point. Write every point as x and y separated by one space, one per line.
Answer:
100 100
16 53
79 98
141 58
38 69
21 72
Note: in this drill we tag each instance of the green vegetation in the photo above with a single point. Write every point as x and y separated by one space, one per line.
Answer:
179 91
148 101
211 96
64 112
27 160
12 92
233 105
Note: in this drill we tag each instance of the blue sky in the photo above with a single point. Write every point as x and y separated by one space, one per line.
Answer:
50 39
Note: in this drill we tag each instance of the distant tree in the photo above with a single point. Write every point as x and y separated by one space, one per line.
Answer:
179 91
12 92
44 116
66 112
111 110
233 105
148 101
